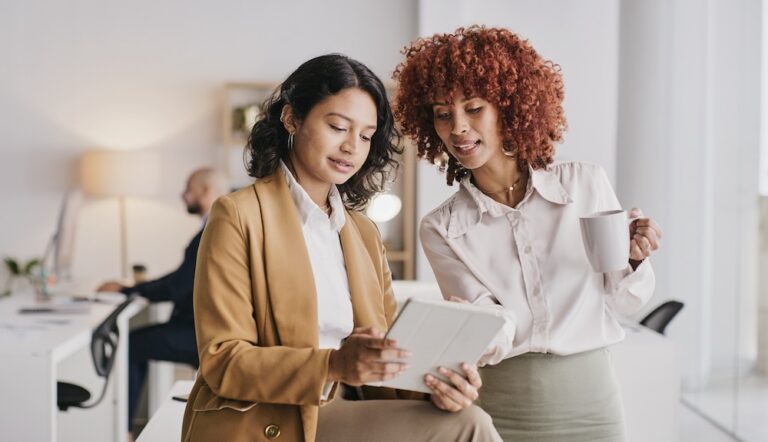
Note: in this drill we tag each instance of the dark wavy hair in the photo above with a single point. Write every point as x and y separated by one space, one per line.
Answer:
496 65
313 81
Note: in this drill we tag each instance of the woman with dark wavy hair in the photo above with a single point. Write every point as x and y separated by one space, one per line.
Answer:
293 291
486 103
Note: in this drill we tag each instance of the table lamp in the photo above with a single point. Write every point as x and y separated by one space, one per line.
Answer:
382 210
120 174
384 207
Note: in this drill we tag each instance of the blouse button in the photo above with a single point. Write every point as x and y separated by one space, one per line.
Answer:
536 291
527 249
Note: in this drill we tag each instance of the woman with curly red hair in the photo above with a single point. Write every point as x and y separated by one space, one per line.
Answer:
486 103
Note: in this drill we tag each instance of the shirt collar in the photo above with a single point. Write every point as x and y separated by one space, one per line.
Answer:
471 204
547 183
307 208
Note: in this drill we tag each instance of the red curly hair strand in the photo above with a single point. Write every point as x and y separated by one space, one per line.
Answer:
491 63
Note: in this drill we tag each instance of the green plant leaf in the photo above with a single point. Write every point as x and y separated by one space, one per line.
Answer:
12 266
31 264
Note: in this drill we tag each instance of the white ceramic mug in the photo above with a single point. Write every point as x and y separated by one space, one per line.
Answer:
606 239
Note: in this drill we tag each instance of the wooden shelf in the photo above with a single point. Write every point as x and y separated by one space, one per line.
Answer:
398 255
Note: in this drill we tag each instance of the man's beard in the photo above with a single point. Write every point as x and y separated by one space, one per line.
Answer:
194 209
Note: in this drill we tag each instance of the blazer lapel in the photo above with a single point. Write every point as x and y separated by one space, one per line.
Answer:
364 285
292 292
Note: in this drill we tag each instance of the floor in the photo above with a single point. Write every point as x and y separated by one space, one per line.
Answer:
741 408
694 428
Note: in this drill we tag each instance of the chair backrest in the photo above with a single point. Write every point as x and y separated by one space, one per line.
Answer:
661 316
104 340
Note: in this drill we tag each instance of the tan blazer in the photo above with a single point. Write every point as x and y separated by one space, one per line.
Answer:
261 374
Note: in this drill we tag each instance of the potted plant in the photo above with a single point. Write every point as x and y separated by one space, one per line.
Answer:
20 274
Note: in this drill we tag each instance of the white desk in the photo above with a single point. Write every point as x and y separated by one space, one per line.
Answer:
646 367
165 424
32 346
648 372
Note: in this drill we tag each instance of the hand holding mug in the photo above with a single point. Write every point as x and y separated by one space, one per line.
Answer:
612 239
645 235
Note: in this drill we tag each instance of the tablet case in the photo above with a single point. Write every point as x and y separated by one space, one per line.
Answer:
440 334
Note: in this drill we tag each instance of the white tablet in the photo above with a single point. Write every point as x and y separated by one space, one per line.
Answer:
440 334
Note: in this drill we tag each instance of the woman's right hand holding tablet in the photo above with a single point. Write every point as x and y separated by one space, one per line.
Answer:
366 356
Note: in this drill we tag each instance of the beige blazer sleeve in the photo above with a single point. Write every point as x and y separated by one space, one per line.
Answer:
234 362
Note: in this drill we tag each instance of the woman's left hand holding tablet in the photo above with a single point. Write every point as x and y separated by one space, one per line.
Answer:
458 396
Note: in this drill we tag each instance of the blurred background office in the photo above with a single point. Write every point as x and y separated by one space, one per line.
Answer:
668 96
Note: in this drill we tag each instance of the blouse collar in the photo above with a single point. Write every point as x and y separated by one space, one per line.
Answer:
471 204
308 209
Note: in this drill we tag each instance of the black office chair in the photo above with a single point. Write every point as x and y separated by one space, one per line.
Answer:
104 342
661 316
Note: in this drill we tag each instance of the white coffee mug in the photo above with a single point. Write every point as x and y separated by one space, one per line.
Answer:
606 239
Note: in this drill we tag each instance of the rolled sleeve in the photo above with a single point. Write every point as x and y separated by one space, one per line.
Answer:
628 291
502 343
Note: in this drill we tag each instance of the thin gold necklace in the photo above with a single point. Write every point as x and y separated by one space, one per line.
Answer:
509 190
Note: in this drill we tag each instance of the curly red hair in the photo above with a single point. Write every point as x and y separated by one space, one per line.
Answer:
491 63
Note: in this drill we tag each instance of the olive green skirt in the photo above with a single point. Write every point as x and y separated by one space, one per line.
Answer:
544 397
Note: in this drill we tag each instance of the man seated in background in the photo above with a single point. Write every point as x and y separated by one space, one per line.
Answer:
174 340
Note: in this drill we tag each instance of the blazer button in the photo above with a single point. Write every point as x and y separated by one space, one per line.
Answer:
272 431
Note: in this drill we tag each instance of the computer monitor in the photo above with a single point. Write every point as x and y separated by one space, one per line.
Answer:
57 260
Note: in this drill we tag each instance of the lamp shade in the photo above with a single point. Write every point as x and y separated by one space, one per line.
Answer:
110 173
384 207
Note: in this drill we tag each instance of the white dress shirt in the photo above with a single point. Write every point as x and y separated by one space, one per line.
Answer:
530 263
335 320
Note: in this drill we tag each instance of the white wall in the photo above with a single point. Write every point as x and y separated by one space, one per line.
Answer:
689 152
762 288
146 74
582 37
665 95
